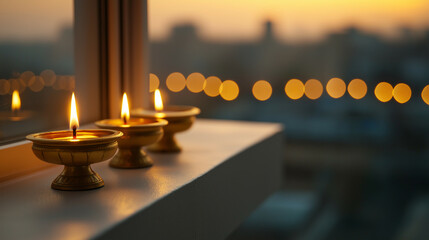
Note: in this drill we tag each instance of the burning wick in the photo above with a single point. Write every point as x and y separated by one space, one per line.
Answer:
74 122
74 132
125 111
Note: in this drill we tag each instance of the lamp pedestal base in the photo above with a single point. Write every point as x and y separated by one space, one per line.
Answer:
131 158
167 144
75 178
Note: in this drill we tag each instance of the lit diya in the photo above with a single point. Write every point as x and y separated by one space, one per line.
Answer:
76 150
16 114
138 132
180 118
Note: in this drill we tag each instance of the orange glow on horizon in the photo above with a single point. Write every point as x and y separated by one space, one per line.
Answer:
159 106
291 18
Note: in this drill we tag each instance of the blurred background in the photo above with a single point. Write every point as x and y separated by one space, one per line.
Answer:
347 79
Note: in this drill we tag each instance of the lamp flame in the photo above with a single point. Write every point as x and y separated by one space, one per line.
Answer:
16 101
158 101
74 121
125 112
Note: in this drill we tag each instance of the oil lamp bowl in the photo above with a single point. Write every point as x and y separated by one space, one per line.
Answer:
180 119
91 146
138 132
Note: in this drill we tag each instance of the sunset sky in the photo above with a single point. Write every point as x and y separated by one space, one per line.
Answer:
229 20
294 20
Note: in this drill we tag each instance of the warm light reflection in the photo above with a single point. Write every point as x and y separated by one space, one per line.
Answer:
4 86
73 139
36 84
159 106
294 89
49 77
26 77
383 91
212 86
74 121
153 82
229 90
262 90
195 82
176 82
336 87
125 110
73 229
17 84
402 93
425 94
16 101
357 88
313 89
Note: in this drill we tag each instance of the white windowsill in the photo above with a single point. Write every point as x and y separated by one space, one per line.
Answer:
225 171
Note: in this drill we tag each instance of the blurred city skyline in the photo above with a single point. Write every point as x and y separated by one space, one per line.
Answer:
227 21
310 20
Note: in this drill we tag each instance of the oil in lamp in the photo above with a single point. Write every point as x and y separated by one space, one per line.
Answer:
76 150
180 118
138 132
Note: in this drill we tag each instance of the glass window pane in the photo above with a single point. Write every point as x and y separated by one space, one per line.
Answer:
37 63
349 80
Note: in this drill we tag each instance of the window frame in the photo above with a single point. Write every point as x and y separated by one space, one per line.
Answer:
110 45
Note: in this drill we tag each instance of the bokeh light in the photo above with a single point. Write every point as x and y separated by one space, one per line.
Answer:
60 83
27 77
294 89
425 94
212 86
229 90
176 82
383 92
71 83
402 93
153 82
36 84
49 77
262 90
195 82
313 89
4 86
336 87
357 88
16 84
